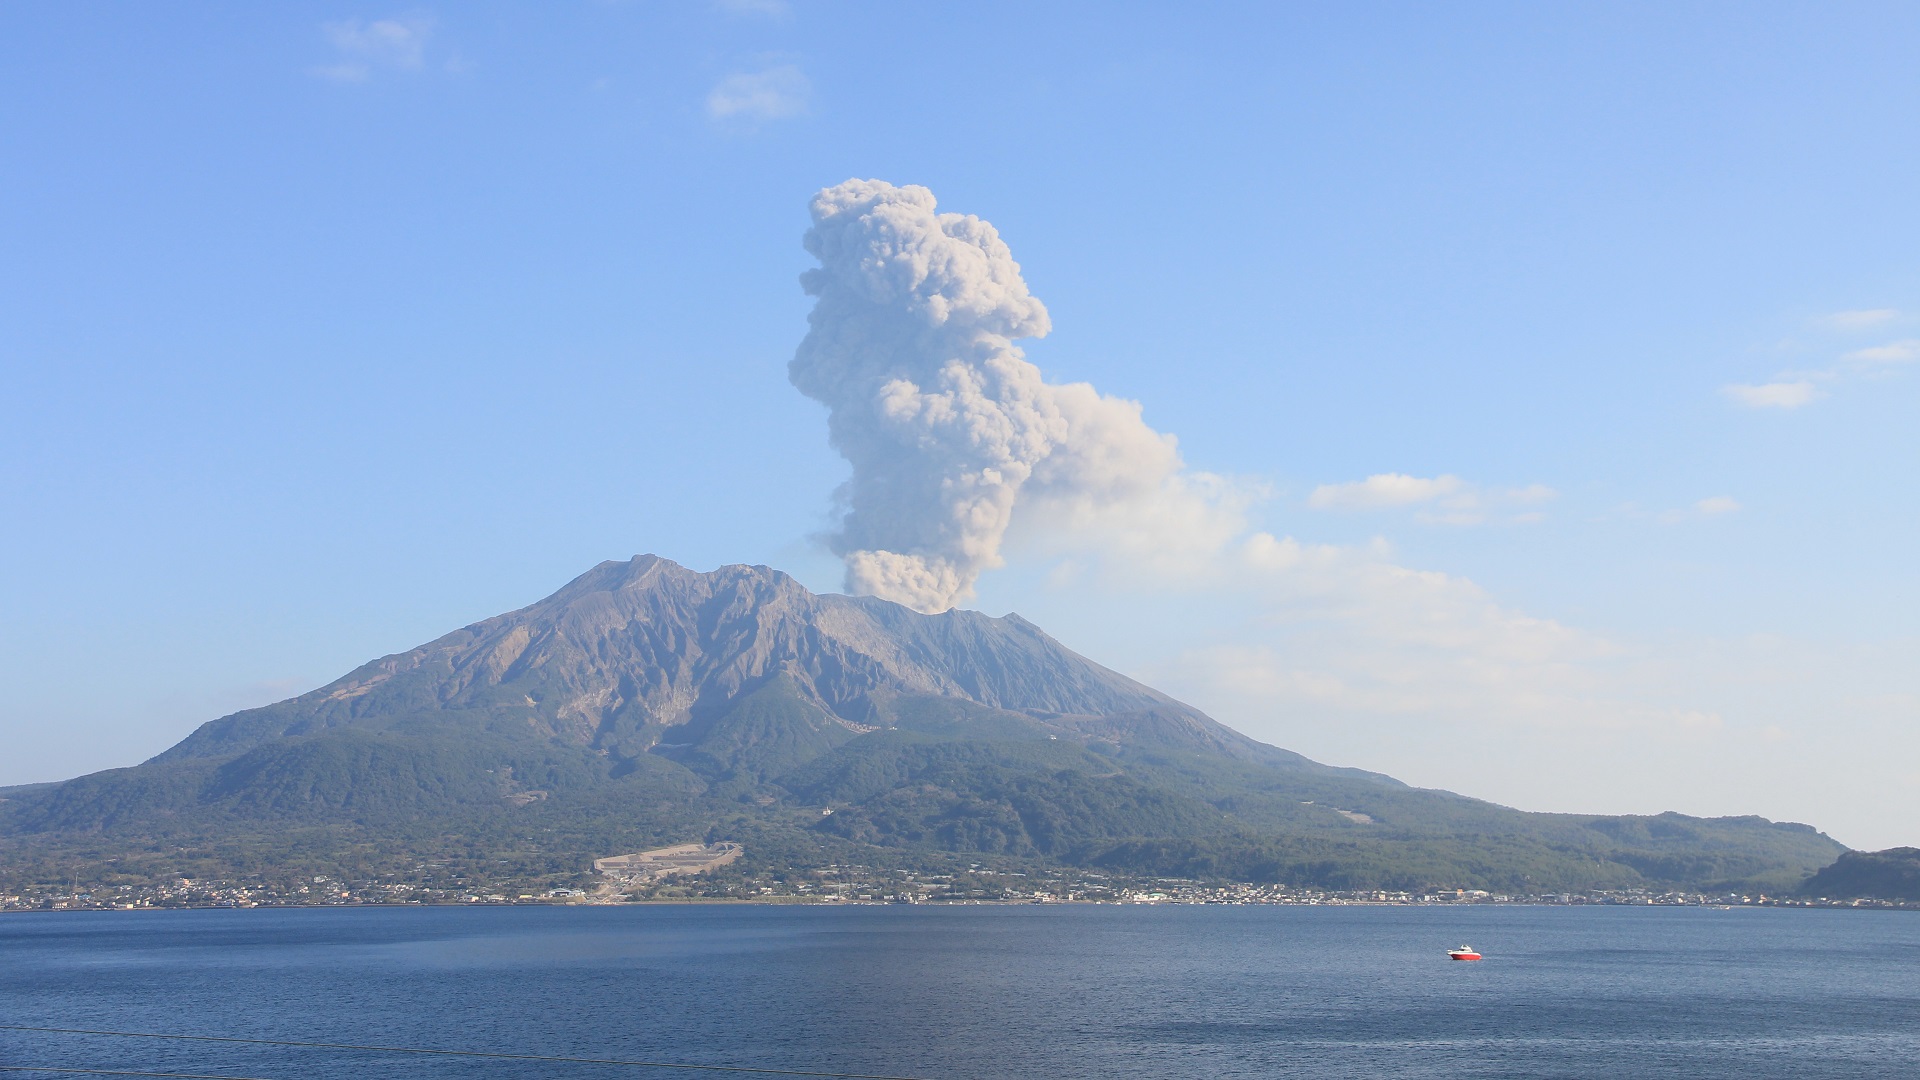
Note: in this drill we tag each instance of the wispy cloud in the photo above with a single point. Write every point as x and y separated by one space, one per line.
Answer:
774 93
1796 388
1893 352
1346 654
393 44
1709 507
1444 500
775 8
1773 395
1863 319
1382 490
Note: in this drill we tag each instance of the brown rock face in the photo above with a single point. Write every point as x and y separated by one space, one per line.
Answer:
633 655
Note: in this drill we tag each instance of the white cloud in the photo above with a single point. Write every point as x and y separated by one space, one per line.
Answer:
1382 491
397 44
1445 500
775 93
1532 493
1773 395
1711 506
1290 624
1347 630
1795 388
1172 525
1893 352
1863 319
1344 654
1546 717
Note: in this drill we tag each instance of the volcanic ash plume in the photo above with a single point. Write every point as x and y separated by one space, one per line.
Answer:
911 348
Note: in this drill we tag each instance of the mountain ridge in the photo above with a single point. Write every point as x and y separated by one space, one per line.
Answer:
575 665
646 702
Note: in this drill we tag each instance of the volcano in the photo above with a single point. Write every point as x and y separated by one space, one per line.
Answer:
646 702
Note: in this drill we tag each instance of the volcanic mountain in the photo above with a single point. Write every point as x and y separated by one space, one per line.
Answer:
650 657
645 701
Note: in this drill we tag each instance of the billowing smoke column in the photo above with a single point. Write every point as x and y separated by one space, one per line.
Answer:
946 423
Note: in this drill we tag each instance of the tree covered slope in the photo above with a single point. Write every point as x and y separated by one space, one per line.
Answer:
1893 874
645 701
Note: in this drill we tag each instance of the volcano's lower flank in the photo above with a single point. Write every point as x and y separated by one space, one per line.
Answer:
646 705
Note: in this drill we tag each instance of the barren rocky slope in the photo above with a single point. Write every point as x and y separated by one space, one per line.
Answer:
633 655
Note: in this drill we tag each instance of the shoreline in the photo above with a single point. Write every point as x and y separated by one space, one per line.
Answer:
801 901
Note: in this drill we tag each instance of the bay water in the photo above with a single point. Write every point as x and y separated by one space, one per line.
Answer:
1048 992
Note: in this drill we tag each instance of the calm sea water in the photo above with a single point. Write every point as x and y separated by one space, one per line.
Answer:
978 992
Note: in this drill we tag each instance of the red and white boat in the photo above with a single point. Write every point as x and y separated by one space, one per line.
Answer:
1464 952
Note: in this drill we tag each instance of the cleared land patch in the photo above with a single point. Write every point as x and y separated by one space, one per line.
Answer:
669 861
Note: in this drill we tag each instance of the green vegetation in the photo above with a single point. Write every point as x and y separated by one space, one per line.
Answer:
1893 874
525 810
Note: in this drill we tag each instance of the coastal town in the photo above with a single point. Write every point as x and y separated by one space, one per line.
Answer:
711 874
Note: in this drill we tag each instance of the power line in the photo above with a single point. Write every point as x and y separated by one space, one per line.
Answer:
118 1073
449 1053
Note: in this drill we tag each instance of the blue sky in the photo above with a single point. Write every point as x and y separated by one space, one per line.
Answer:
327 328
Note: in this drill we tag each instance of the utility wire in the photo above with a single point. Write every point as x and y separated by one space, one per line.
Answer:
118 1073
449 1053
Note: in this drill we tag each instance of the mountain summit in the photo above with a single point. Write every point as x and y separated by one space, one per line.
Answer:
646 703
649 656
